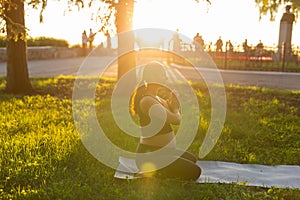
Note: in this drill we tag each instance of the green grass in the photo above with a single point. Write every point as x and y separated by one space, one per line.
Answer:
42 157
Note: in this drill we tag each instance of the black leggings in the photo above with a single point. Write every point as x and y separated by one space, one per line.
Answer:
184 166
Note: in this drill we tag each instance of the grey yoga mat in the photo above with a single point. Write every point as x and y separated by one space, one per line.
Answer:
281 176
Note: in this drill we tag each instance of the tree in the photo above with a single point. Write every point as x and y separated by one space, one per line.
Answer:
17 69
12 13
124 15
17 65
271 7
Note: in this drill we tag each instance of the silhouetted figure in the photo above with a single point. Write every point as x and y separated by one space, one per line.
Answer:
229 46
209 47
176 42
108 43
91 39
259 48
219 45
198 42
84 40
246 49
245 46
108 40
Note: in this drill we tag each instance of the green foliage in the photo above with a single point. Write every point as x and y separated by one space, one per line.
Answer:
40 41
47 41
2 42
271 7
41 156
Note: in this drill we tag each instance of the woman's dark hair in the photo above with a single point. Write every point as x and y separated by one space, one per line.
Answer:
136 96
153 70
150 73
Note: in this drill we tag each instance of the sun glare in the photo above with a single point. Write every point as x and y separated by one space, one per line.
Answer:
167 14
59 22
233 20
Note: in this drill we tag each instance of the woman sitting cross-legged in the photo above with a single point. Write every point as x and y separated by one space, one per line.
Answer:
156 116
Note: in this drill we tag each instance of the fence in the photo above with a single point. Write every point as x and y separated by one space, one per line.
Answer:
267 58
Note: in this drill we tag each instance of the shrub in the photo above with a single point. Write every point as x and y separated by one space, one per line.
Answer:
2 41
47 41
40 41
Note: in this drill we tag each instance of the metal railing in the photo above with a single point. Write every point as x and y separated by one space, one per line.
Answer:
268 58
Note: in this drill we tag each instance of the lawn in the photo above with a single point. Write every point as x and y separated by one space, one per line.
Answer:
42 157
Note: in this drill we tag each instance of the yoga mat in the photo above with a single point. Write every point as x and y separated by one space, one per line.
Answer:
281 176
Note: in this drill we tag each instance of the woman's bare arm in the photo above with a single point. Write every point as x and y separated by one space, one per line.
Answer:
172 117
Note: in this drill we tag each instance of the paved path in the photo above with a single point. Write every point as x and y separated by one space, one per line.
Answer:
280 80
65 67
95 65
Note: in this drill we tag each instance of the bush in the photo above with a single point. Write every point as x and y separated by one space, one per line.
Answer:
47 41
40 41
2 41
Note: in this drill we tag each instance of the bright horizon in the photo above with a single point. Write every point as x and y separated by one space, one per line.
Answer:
222 18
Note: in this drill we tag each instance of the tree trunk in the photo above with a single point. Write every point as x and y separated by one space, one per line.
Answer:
17 67
126 40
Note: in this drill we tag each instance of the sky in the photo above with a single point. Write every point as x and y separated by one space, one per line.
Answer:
233 20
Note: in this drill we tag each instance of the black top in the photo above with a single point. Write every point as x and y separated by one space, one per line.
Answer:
145 118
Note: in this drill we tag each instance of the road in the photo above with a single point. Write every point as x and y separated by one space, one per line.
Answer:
276 80
95 65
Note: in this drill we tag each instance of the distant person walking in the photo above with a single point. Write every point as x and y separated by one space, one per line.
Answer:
198 42
219 45
209 47
91 39
247 49
108 40
246 46
229 46
259 48
84 40
108 43
176 42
